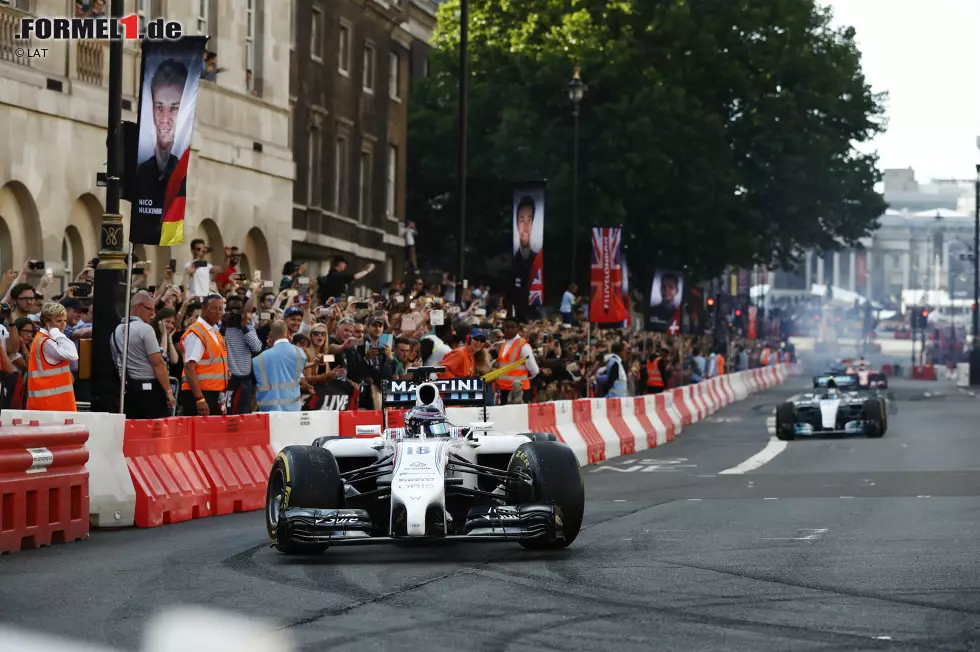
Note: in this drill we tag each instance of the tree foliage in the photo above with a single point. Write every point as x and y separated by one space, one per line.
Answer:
717 132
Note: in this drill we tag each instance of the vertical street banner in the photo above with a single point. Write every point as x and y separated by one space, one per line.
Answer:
169 83
626 290
666 295
527 265
606 304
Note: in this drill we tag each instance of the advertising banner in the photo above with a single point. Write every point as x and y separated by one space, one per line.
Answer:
169 82
666 295
606 304
527 266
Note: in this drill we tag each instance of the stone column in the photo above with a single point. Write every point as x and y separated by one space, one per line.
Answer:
808 275
837 269
852 272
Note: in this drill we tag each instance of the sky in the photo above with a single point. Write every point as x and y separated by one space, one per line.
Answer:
925 53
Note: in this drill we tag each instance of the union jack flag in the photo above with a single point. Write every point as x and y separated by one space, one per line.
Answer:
606 305
535 295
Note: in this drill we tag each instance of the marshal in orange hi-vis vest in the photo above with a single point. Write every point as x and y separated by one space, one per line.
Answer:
49 387
212 370
509 355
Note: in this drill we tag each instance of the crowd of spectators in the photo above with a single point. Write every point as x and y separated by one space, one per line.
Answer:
211 339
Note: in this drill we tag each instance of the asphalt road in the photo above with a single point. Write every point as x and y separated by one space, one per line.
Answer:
833 544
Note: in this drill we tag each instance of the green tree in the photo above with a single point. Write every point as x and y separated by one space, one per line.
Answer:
717 132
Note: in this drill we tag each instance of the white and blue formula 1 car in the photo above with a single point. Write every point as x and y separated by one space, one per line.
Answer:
429 480
837 406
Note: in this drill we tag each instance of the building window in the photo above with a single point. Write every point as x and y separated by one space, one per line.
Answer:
250 46
25 6
392 188
289 127
394 76
343 52
292 24
202 16
316 40
142 12
367 81
313 169
364 207
340 176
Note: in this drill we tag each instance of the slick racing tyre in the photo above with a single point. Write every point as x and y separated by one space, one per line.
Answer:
302 476
555 478
874 418
785 420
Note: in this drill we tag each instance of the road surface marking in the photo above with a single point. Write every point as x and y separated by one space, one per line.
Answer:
772 449
694 500
847 496
620 500
923 496
814 534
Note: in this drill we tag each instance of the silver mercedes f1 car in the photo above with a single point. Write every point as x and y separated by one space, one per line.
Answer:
838 405
428 480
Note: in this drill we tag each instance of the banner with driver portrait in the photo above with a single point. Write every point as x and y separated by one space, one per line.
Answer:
666 296
527 266
169 83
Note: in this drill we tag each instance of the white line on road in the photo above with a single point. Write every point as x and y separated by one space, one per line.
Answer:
772 449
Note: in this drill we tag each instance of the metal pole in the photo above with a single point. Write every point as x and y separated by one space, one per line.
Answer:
110 275
575 114
464 82
124 353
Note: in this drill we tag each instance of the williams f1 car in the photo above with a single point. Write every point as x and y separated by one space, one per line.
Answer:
836 406
427 480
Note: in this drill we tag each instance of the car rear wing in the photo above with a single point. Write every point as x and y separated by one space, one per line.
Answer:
454 392
841 380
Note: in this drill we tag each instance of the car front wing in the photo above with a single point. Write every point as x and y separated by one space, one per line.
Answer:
483 524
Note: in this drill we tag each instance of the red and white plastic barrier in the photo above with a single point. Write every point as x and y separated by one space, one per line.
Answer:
151 473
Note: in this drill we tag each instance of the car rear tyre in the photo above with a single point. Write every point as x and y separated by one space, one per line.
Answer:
874 418
302 476
785 420
556 478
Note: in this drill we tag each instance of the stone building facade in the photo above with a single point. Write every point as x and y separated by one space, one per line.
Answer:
53 113
351 62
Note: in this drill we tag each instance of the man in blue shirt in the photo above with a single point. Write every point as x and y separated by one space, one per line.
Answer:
278 372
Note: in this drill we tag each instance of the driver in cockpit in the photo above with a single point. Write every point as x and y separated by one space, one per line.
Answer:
830 391
426 421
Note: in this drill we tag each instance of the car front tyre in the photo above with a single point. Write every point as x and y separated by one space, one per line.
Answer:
556 478
874 419
785 421
302 476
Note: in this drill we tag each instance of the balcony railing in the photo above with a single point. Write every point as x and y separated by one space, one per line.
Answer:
91 56
12 49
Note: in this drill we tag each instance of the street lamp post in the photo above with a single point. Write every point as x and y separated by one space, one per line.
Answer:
110 277
576 91
463 119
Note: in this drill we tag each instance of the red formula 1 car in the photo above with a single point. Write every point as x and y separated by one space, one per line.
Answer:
868 377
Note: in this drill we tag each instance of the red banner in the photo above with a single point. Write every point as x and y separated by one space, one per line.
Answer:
606 305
